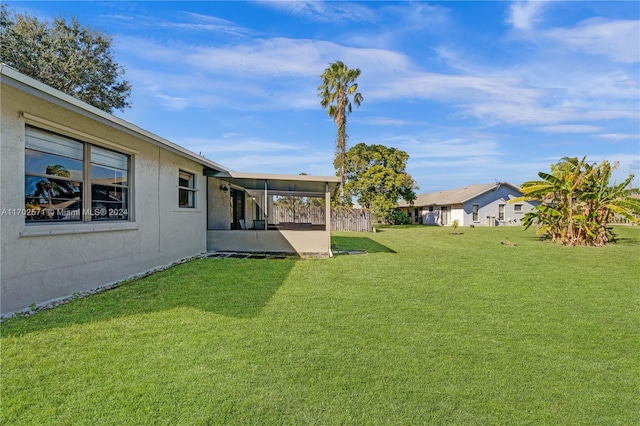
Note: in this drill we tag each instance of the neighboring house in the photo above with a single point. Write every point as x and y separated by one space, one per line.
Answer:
88 199
477 205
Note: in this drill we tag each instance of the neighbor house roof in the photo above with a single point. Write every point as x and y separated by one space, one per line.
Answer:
455 196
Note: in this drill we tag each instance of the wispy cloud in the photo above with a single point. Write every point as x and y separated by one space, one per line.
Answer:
321 11
525 14
428 147
385 121
236 142
418 15
286 56
570 128
617 40
617 137
183 21
205 23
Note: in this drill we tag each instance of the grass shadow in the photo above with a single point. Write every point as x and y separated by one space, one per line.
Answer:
627 241
238 288
358 243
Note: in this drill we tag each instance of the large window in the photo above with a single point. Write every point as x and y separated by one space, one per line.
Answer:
186 189
501 211
476 208
68 180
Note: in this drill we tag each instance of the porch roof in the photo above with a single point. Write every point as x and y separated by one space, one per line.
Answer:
303 185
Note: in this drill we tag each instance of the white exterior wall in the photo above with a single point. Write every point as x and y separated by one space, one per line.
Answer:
44 262
435 217
219 216
457 213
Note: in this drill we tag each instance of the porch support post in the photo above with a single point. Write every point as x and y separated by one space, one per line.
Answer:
327 208
266 207
327 216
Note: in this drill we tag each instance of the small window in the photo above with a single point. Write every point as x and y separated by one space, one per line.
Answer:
501 211
517 208
476 208
186 189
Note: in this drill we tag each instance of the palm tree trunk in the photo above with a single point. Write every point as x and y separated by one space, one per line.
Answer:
341 149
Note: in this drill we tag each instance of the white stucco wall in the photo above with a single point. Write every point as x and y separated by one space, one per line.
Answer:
457 213
47 261
218 216
303 243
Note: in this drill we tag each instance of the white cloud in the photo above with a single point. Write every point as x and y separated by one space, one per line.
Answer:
417 15
234 143
296 57
421 147
248 153
525 14
617 137
385 121
193 22
283 73
570 128
320 11
210 24
617 40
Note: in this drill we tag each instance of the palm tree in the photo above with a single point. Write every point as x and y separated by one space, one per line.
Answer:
338 84
577 202
600 202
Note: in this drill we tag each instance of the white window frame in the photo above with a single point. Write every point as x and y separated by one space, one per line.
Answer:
518 208
475 212
190 189
501 212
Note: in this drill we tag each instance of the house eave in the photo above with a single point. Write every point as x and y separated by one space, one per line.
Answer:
14 78
304 185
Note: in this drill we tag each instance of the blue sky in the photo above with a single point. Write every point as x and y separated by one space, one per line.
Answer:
474 91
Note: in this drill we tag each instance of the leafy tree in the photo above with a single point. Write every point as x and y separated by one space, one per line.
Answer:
74 59
338 84
50 187
577 202
376 175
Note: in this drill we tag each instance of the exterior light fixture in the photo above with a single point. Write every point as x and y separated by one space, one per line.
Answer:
224 188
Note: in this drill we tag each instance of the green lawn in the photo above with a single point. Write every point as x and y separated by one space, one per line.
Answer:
428 327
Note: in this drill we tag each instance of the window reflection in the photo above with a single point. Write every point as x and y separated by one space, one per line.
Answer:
55 178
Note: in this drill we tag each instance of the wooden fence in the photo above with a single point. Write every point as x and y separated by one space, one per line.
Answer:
342 219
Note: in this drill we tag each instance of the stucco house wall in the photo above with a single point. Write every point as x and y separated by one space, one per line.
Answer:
218 216
443 207
488 210
42 262
85 160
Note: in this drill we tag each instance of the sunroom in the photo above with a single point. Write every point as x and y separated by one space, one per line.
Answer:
269 213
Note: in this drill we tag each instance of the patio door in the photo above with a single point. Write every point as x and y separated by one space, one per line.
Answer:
237 208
